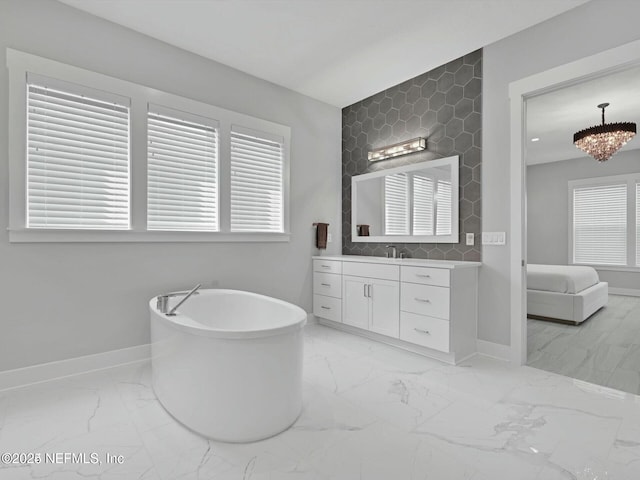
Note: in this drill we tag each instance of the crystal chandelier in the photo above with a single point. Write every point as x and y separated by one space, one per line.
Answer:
602 141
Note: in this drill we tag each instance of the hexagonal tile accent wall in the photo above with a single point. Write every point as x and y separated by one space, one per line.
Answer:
444 106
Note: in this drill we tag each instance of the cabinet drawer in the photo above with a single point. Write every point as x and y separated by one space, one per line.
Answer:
426 331
425 300
328 284
327 266
371 270
327 307
425 275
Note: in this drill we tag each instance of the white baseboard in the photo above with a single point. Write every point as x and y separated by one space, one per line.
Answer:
493 350
21 377
630 292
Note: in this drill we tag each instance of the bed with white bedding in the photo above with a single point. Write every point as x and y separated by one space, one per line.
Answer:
564 293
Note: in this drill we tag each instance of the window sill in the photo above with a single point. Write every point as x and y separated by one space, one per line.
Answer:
112 236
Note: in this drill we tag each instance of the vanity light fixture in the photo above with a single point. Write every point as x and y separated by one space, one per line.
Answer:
397 149
602 141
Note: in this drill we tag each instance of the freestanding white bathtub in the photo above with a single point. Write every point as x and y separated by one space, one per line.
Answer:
229 364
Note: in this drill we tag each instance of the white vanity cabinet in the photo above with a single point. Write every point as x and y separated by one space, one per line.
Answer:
371 297
327 289
427 306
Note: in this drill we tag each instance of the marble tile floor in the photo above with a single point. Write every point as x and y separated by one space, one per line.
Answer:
370 412
604 350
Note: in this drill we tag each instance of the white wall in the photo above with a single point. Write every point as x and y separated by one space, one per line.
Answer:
548 209
60 301
588 29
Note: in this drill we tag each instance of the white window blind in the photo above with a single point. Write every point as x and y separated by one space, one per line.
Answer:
396 204
256 181
182 189
77 159
600 224
423 205
443 205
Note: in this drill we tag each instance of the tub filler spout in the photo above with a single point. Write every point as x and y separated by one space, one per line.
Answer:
163 300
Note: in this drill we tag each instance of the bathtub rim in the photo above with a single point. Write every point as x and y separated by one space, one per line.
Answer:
191 326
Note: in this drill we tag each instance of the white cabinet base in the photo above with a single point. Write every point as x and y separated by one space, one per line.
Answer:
449 358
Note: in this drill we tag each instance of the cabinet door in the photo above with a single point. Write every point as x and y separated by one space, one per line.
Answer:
355 303
385 307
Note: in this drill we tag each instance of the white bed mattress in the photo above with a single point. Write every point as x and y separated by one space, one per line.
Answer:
560 278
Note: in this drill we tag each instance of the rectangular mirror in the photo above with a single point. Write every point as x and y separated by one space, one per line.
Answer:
415 203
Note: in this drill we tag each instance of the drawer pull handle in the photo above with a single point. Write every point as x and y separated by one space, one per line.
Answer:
325 266
419 330
423 300
325 284
326 308
421 275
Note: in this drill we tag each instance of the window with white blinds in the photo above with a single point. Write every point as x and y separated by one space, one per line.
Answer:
423 205
600 224
182 166
443 205
257 193
396 204
77 159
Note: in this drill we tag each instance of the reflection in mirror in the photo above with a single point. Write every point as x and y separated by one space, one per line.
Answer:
413 203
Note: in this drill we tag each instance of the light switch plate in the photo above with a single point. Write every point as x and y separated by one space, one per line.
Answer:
470 239
494 238
329 238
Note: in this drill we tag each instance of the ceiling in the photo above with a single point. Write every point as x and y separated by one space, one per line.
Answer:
554 117
337 51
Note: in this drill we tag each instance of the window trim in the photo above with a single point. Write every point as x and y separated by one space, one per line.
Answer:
630 180
20 63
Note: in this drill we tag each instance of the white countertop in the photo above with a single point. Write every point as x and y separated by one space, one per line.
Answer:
416 262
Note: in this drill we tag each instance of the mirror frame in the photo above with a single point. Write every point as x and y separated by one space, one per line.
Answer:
453 161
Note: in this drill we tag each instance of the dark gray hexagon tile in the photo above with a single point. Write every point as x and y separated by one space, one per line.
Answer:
463 108
413 94
428 88
454 95
416 108
445 82
453 128
420 106
445 114
378 121
399 99
463 142
385 104
399 128
473 88
471 191
413 127
463 75
472 123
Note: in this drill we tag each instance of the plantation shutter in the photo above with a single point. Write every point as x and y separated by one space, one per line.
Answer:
422 205
600 225
257 194
443 202
396 204
77 157
182 189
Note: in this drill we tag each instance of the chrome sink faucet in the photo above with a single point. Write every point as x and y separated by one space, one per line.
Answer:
392 251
